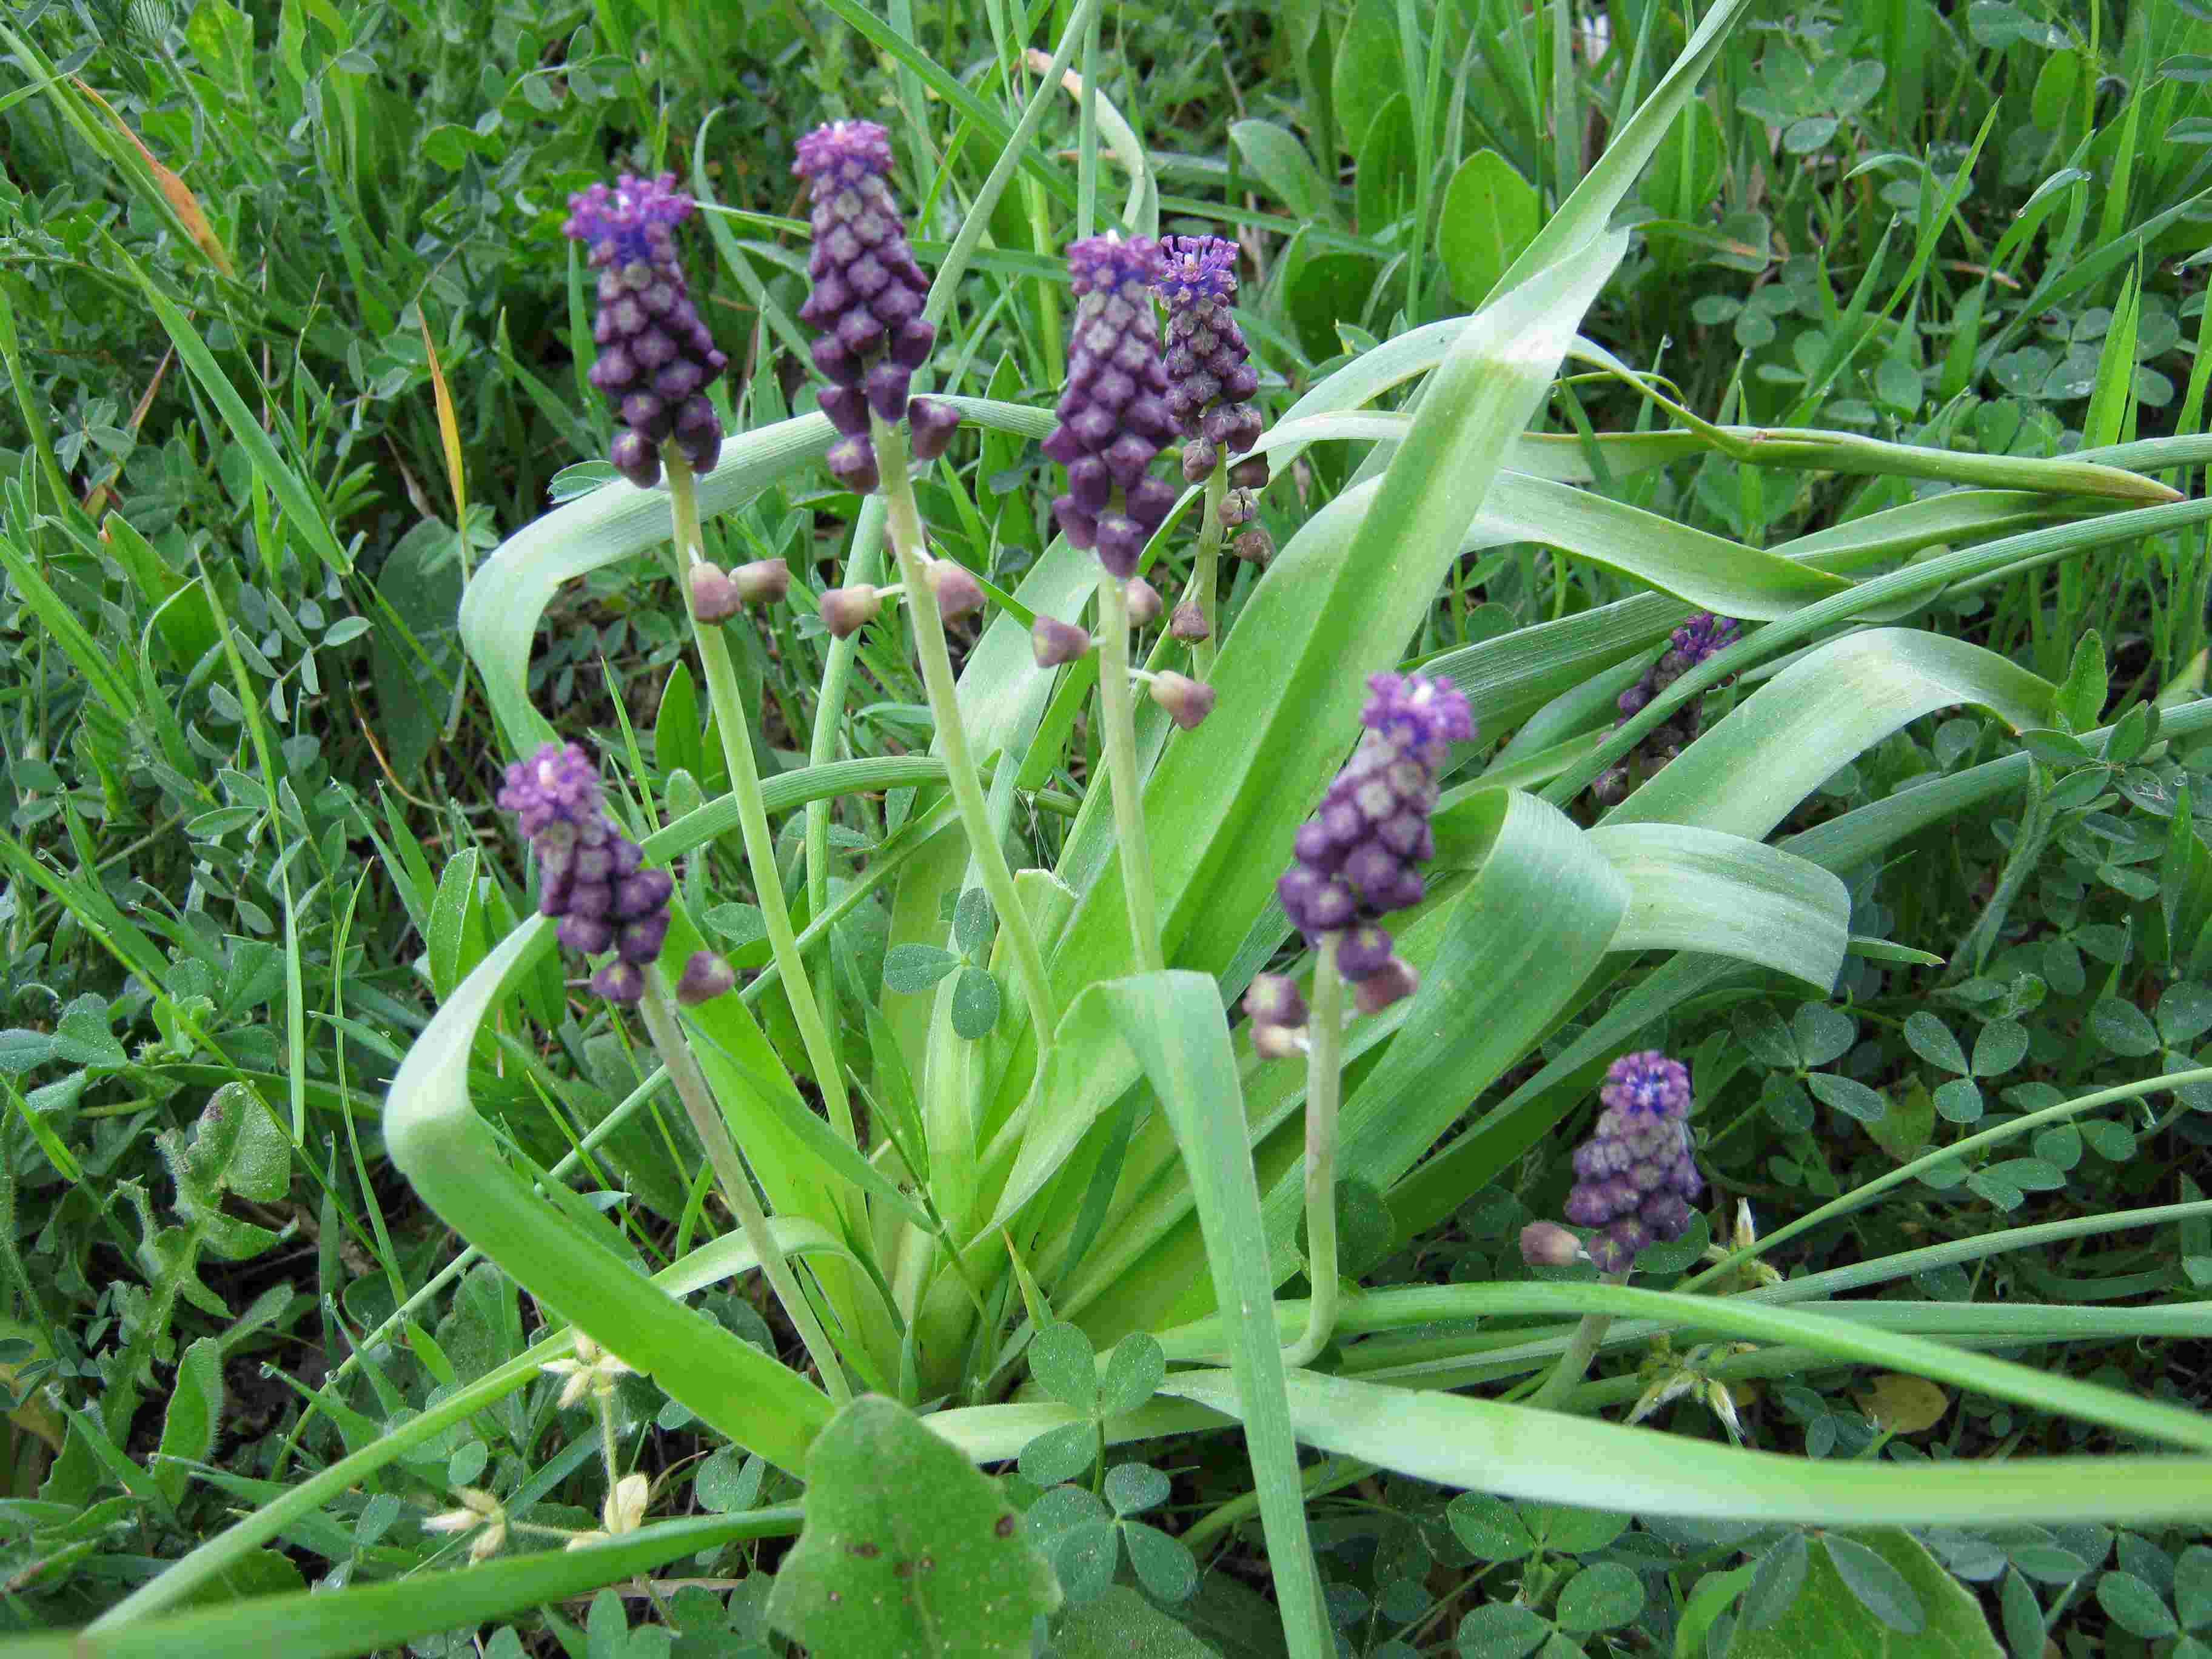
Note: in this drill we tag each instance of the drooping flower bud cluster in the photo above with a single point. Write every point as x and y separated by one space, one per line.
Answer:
1355 858
656 357
1636 1175
1113 414
1701 636
866 301
590 875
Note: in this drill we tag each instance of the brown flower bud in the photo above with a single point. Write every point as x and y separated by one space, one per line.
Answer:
957 592
1547 1244
764 581
1397 978
1189 622
1054 641
1144 602
1186 701
1255 545
847 611
714 597
1250 473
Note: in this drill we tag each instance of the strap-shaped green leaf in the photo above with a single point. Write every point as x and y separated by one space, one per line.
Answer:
1516 1451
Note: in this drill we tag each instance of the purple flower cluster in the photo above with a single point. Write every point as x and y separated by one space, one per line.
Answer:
590 875
656 357
1210 383
867 300
1355 858
1636 1175
1113 415
1703 635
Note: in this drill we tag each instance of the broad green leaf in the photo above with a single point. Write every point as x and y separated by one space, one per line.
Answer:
188 1428
1491 215
1518 1452
1692 890
450 1155
1120 1624
1745 774
1283 166
1827 1618
1175 1025
876 1571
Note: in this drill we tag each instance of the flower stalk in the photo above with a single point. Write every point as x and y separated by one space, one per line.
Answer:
1324 1085
667 1035
904 518
732 720
1118 718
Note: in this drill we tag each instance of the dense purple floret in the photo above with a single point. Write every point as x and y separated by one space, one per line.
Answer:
1210 383
1703 635
1636 1175
867 297
590 875
1355 860
656 356
1113 414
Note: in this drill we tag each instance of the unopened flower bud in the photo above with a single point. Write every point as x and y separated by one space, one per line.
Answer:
714 597
1189 622
1054 641
1237 508
764 581
620 981
1198 460
1250 473
1547 1244
933 425
1394 979
1273 999
1144 602
1255 545
957 592
1276 1041
847 611
1186 701
706 976
853 464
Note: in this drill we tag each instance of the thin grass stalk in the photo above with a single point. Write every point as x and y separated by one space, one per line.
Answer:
1118 719
903 517
667 1034
731 719
1324 1085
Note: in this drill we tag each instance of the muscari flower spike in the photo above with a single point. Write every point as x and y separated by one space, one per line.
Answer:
590 875
1210 383
1636 1173
1354 860
866 301
1703 635
1113 414
656 357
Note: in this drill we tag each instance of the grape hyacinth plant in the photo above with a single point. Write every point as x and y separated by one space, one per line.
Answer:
656 356
1703 635
1354 861
870 301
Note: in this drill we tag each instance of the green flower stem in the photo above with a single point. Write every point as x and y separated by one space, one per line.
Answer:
1205 566
662 1024
1117 715
1582 1347
1324 1084
829 716
906 536
736 728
